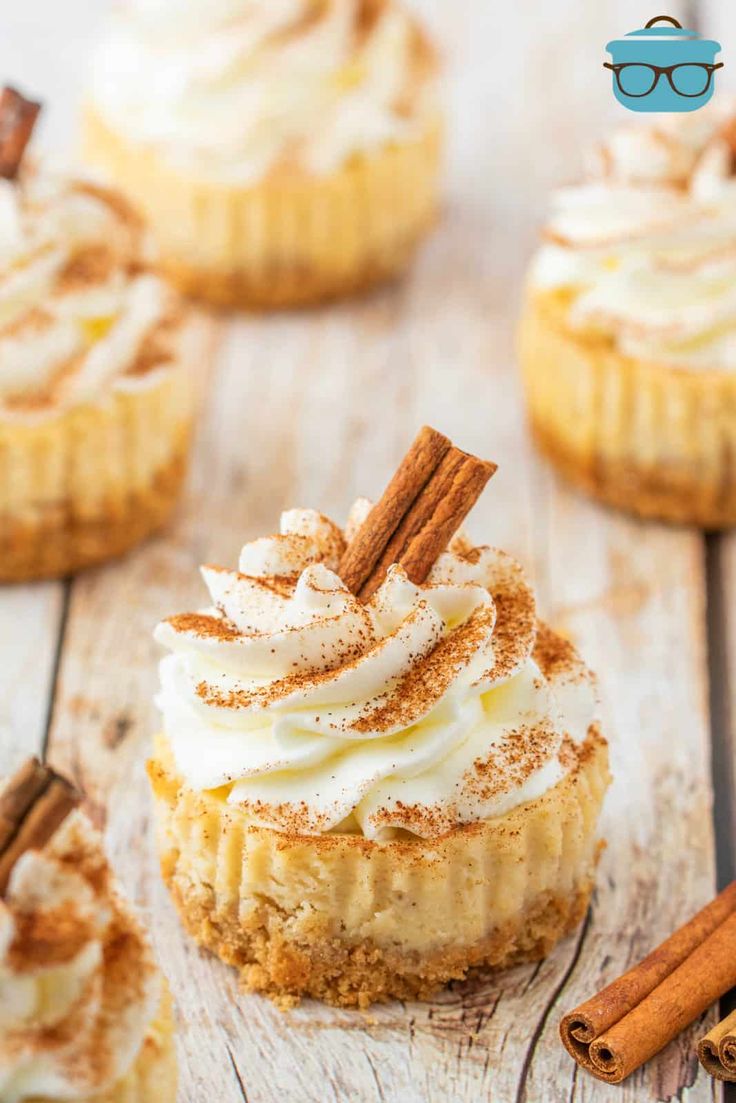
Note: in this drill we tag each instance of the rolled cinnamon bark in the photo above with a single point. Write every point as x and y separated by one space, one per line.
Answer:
411 476
34 803
17 120
717 1050
636 1016
433 490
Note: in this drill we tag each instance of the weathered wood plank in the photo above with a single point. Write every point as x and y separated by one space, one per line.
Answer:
315 408
31 619
721 559
633 597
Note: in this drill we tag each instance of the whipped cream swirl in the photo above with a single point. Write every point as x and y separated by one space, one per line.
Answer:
81 307
237 88
644 250
78 983
426 707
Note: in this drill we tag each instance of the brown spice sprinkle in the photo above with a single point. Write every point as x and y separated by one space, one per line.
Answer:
204 626
93 264
81 1045
516 620
555 655
271 694
124 211
428 681
48 938
33 321
157 347
511 630
44 398
508 765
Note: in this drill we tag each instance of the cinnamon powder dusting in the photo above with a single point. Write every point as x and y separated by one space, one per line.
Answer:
496 641
82 1043
110 264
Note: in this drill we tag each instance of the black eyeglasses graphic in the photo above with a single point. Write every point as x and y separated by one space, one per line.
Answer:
688 79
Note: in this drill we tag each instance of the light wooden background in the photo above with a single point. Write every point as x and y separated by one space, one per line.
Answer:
312 409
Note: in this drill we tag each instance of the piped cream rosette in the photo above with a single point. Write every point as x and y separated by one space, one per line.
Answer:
313 740
96 399
83 1015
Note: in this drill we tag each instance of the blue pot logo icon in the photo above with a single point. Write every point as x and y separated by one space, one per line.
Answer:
663 68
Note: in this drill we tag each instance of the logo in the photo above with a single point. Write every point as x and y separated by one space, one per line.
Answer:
663 68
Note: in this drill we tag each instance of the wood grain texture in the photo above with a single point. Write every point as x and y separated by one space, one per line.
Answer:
315 408
31 622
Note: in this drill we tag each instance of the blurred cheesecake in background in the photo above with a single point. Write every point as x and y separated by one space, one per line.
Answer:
96 384
628 338
84 1012
285 151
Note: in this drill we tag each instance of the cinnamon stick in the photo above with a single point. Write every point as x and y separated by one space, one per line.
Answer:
628 1022
434 488
17 120
34 803
717 1050
728 135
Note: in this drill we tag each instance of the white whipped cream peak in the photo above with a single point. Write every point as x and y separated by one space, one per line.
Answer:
422 708
645 246
80 304
78 983
236 88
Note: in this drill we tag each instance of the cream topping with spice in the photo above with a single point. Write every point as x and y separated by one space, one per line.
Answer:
421 709
238 88
646 245
81 307
78 983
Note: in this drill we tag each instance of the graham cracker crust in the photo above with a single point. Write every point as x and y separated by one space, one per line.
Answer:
674 496
644 437
64 544
280 242
294 285
287 957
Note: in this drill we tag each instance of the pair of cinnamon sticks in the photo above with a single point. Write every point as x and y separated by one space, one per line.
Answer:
33 804
634 1018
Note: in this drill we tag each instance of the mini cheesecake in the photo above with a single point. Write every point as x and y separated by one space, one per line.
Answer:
628 334
373 778
96 378
84 1012
283 153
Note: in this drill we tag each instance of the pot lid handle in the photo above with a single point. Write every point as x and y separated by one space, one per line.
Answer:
659 18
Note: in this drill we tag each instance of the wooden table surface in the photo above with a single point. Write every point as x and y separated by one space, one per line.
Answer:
315 408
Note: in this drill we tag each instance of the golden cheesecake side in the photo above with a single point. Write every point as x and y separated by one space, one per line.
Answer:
352 920
294 240
640 436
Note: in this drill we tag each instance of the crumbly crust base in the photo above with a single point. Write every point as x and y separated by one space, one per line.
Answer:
154 1076
655 441
351 920
297 286
84 484
291 240
66 544
358 974
667 495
